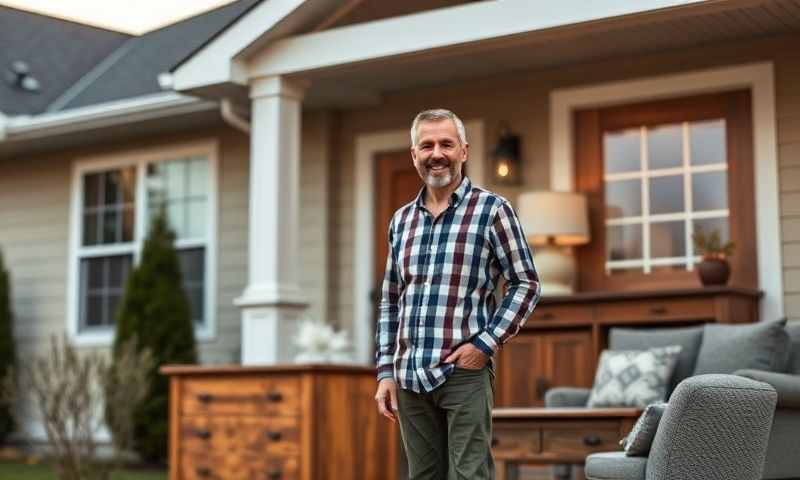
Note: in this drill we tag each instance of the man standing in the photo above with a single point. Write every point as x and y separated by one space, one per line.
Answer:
439 326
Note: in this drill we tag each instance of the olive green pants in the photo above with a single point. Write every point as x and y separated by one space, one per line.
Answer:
447 433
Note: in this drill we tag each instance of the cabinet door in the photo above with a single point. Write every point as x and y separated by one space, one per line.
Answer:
535 361
518 366
567 359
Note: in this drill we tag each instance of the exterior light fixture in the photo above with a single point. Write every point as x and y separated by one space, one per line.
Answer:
506 159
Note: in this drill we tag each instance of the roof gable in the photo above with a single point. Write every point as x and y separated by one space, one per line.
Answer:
58 53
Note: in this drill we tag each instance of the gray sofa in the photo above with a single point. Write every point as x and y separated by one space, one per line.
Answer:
715 427
725 352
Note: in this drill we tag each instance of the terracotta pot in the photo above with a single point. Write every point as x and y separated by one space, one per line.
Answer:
714 271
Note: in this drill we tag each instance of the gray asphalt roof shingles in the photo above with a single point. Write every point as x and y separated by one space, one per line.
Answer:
79 65
136 72
58 52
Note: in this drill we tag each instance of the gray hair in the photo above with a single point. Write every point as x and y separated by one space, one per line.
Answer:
435 115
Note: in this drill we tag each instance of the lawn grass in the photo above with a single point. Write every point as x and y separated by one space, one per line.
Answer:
42 471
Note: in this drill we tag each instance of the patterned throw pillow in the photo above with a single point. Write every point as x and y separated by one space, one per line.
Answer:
638 442
633 378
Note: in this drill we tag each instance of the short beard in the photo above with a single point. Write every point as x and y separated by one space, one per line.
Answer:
439 182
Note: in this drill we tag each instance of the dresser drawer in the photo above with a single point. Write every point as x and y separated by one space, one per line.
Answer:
560 313
580 439
689 309
274 395
514 442
229 466
249 435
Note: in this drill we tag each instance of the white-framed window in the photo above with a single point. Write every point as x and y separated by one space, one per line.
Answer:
662 183
114 198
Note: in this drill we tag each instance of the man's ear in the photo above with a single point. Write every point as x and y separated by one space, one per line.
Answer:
413 154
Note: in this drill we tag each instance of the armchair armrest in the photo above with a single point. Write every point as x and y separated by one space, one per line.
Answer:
787 386
566 397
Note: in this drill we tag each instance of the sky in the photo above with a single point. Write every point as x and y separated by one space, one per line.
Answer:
129 16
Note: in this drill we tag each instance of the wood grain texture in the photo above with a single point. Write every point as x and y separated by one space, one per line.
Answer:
297 422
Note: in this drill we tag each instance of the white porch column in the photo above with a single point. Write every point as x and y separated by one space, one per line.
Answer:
272 302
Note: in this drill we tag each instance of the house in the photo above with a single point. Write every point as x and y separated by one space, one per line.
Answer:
277 131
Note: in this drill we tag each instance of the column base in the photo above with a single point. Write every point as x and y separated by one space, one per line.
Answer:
269 332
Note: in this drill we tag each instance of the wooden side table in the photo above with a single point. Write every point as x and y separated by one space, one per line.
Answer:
555 435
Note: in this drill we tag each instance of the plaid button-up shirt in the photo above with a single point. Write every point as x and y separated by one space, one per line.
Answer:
438 289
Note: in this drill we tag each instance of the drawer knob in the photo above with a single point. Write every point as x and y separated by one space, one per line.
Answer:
203 472
274 436
275 474
658 310
204 434
274 396
495 441
592 440
547 316
204 397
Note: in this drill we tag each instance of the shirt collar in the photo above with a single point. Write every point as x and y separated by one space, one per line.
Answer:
455 198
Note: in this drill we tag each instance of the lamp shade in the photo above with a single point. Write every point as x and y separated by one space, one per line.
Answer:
560 218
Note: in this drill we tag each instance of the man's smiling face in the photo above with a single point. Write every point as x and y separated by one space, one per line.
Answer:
439 153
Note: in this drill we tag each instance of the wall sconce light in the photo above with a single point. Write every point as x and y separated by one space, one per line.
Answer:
506 159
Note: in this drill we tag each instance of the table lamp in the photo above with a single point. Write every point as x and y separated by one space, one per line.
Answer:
554 222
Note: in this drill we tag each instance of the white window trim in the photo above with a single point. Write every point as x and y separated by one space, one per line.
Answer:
367 146
759 78
208 148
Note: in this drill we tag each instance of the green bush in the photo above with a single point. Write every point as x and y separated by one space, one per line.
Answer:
7 353
156 310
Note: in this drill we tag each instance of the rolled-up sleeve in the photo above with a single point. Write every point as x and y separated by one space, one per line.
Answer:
511 251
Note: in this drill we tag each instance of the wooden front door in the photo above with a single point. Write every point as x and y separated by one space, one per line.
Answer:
396 183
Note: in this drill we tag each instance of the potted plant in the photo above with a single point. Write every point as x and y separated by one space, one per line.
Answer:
713 268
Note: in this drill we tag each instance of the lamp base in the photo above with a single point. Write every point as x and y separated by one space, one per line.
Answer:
556 269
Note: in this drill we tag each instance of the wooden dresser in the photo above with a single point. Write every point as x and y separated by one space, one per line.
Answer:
294 422
561 342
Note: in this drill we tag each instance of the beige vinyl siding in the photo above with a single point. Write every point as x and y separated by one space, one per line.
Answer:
521 99
35 195
34 232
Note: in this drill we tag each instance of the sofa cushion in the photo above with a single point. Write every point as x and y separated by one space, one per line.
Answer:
644 338
727 348
633 378
614 466
793 329
638 441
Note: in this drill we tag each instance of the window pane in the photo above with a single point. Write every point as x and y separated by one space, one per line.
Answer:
198 177
128 185
710 224
665 147
707 142
91 189
111 227
90 234
667 239
94 311
112 188
192 264
127 224
710 191
176 178
622 151
102 285
624 242
196 304
156 184
176 214
196 216
666 194
623 198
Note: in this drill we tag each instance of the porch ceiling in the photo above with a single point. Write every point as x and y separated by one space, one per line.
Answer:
678 28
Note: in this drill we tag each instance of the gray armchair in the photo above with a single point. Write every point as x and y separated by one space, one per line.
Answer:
783 452
715 427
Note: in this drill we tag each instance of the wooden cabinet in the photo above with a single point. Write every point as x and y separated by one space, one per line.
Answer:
561 342
310 422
